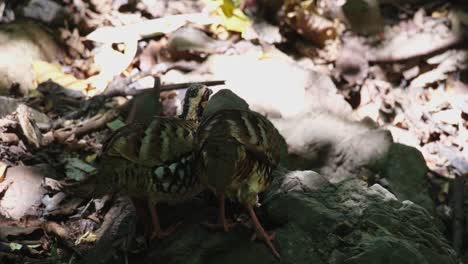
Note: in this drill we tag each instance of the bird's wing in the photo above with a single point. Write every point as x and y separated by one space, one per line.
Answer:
251 130
162 140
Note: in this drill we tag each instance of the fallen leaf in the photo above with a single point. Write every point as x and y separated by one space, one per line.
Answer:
112 62
77 163
75 174
28 125
15 246
91 158
3 168
67 208
87 237
44 71
34 246
77 169
116 124
231 17
451 116
52 202
147 29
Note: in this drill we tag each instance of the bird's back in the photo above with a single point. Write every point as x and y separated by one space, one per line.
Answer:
151 160
236 151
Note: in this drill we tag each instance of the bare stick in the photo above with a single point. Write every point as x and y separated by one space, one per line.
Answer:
458 213
95 123
178 86
447 43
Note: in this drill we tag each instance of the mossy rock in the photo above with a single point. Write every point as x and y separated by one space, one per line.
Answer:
316 221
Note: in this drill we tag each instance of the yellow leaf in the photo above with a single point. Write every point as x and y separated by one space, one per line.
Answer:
90 158
87 237
45 71
232 18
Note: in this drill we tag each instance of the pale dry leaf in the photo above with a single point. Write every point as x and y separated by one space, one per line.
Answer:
28 126
52 202
449 64
24 192
148 28
112 62
450 116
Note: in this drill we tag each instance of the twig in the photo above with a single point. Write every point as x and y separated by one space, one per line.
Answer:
95 123
447 43
178 86
118 91
60 232
458 213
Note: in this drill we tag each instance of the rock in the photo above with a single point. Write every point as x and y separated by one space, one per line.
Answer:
261 83
10 105
189 39
335 146
316 221
21 43
46 11
405 169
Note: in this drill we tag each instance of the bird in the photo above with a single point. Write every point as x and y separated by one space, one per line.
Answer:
153 159
235 153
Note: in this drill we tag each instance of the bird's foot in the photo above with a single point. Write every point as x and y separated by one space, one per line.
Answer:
160 234
267 238
225 225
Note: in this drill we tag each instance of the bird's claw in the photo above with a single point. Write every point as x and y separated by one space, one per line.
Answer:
267 238
270 237
160 234
226 226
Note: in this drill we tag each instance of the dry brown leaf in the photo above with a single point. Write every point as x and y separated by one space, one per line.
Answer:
303 17
3 168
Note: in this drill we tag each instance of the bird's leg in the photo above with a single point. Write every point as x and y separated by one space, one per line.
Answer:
259 231
157 231
223 223
142 214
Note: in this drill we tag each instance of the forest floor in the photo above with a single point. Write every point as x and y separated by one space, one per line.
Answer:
69 75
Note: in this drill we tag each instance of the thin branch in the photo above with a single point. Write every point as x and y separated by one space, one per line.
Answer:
458 213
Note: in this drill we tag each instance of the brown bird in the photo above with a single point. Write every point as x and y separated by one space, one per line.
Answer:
153 160
235 153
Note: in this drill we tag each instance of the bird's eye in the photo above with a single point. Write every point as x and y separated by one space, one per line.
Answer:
192 92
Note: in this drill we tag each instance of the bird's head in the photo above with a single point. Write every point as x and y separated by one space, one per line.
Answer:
195 100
